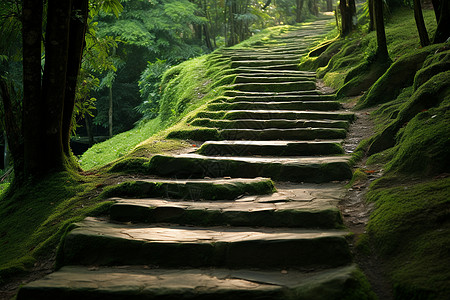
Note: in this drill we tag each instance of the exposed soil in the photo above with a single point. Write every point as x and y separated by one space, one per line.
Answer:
356 211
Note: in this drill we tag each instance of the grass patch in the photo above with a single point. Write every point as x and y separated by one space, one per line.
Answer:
410 228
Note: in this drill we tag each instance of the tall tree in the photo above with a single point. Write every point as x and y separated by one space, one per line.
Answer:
418 16
442 12
382 52
347 10
298 10
41 141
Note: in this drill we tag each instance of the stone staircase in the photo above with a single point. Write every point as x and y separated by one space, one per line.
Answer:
213 225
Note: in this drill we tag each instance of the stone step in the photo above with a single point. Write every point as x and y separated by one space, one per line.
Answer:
250 79
275 87
97 242
282 105
193 189
297 169
233 93
263 63
263 71
289 134
245 56
271 148
143 282
276 114
302 206
266 124
282 98
273 67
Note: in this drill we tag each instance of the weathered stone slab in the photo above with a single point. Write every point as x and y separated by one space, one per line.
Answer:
280 212
245 70
233 93
281 105
141 282
193 189
102 243
265 124
271 148
264 78
263 63
282 134
289 134
304 169
275 87
276 114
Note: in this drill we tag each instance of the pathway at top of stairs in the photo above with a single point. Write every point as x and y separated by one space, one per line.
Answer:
226 231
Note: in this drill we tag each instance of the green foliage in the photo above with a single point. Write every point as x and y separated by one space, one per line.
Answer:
410 228
150 89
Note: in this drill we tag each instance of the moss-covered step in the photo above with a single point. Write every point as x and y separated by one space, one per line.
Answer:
97 242
271 148
234 93
281 98
231 213
265 124
289 134
299 169
137 283
273 73
263 78
193 189
263 56
281 105
273 67
263 63
275 114
275 87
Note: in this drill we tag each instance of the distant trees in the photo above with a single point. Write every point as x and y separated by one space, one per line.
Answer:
347 10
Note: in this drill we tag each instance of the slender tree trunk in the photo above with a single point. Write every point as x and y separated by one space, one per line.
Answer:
90 135
437 9
423 34
298 11
329 5
371 16
382 52
33 111
443 22
6 155
78 24
110 112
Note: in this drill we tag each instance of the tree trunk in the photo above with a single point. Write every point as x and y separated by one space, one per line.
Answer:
54 83
329 5
443 22
298 11
90 135
423 34
33 111
381 52
78 25
6 155
371 16
110 112
13 132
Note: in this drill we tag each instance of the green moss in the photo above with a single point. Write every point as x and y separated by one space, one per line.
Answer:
34 217
398 76
410 228
358 176
424 146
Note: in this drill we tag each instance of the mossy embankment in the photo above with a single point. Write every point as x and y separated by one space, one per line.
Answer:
410 100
